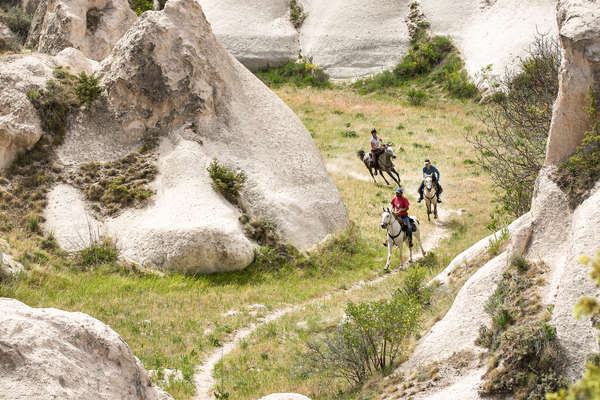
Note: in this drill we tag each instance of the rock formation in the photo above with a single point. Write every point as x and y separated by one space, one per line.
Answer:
7 38
555 238
169 75
48 354
355 38
92 27
579 24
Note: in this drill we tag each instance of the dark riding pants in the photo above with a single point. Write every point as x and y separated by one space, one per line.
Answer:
409 227
375 155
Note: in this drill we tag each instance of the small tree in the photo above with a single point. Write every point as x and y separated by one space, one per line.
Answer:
517 119
370 339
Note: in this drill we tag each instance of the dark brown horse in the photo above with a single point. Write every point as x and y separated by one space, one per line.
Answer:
384 163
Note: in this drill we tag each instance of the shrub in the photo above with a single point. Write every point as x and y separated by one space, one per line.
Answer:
87 89
99 251
416 97
414 284
17 22
349 134
370 339
226 182
297 14
301 74
140 6
263 231
517 117
579 173
458 84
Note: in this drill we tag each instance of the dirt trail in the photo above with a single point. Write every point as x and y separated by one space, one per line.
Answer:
204 380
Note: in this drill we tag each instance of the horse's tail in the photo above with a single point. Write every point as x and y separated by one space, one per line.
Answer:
361 155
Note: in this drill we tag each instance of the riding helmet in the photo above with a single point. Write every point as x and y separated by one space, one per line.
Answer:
427 160
399 190
374 131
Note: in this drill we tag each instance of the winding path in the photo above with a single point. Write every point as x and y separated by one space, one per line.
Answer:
203 378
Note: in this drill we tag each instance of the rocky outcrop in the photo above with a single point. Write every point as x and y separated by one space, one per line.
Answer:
90 26
7 39
48 354
579 22
8 265
20 127
169 75
351 38
556 239
258 33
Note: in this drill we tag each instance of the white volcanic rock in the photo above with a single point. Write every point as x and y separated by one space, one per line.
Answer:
48 354
8 265
490 31
20 127
7 38
579 22
168 74
350 38
90 26
258 33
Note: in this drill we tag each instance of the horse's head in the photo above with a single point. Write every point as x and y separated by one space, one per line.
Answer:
389 151
428 181
386 218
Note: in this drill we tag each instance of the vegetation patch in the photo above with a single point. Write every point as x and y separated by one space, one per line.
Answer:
301 74
430 61
100 251
526 359
227 182
517 116
114 185
18 22
61 96
140 6
297 14
578 175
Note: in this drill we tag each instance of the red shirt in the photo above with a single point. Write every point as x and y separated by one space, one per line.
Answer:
399 203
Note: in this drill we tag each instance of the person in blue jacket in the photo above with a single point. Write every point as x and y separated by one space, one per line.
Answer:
429 169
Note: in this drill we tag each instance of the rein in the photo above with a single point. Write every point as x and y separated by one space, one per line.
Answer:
388 230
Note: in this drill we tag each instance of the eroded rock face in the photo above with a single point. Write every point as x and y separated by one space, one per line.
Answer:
258 33
48 354
20 127
579 22
90 26
169 74
7 38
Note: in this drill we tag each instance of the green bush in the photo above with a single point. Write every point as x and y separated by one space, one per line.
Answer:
226 182
300 74
140 6
87 89
414 284
349 134
297 14
578 175
99 252
17 22
371 338
263 231
416 97
459 85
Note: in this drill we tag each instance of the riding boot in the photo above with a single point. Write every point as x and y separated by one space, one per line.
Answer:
439 199
420 195
439 193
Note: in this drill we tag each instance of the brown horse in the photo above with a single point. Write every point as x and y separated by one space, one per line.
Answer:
384 163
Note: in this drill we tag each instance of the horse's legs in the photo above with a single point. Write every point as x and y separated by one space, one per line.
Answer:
383 176
397 174
410 260
372 176
389 257
428 205
418 235
393 177
435 208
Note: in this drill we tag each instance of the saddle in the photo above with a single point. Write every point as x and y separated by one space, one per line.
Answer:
413 222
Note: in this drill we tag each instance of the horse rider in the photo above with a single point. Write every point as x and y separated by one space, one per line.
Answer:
429 169
376 148
400 206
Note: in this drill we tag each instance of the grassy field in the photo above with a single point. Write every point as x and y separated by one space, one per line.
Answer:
173 321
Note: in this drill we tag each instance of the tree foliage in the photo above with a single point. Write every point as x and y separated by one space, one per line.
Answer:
517 119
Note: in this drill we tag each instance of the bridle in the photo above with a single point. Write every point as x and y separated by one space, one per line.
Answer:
387 228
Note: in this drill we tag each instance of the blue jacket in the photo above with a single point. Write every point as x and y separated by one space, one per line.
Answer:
432 170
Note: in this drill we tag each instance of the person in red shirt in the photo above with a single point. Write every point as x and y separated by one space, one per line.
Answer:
400 206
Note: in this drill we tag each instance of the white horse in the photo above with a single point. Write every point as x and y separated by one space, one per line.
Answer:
430 191
396 236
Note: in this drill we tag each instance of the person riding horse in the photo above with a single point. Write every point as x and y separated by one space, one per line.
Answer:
400 206
376 148
429 169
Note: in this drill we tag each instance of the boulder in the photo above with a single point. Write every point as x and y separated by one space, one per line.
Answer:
8 265
20 127
168 74
579 22
284 396
48 354
90 26
258 33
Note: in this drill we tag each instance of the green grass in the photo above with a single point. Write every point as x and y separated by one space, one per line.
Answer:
300 74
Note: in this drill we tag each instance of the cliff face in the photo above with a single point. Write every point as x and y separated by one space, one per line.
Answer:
550 233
